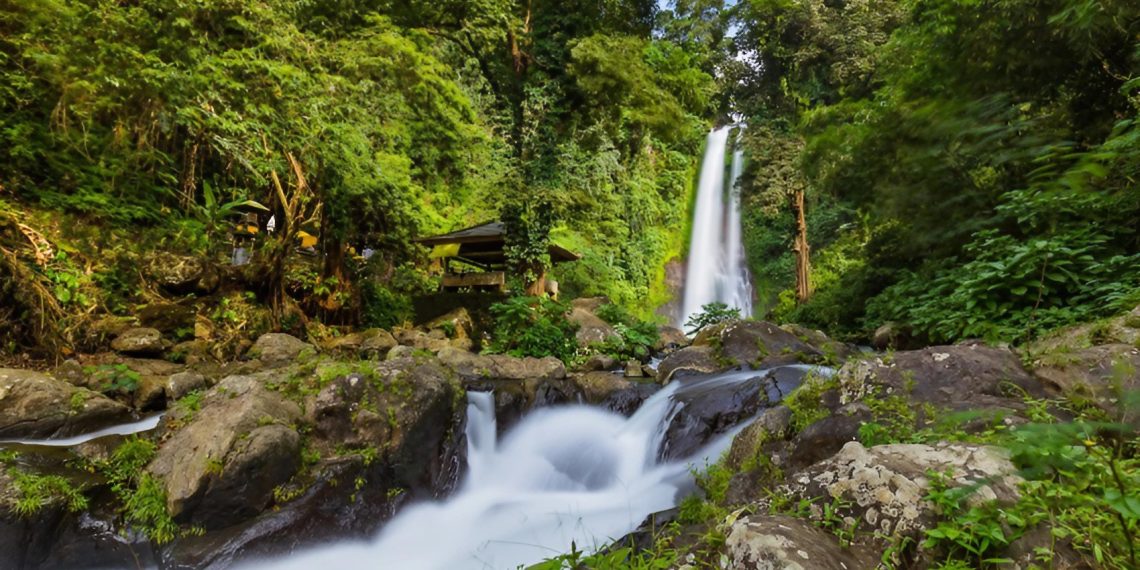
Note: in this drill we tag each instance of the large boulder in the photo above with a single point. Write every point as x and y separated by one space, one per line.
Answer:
711 406
883 489
766 542
832 350
1101 375
168 317
139 341
772 425
959 377
670 338
613 392
519 384
757 344
591 328
34 405
221 467
456 324
278 348
181 274
689 361
472 366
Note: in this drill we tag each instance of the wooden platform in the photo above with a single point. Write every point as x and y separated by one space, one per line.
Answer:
486 281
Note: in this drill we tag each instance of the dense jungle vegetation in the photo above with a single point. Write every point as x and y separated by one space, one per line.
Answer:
969 167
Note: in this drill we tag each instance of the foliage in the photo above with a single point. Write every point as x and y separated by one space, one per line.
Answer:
635 339
533 326
711 314
114 378
35 491
141 496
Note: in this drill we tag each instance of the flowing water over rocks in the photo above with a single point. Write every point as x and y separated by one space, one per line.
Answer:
564 475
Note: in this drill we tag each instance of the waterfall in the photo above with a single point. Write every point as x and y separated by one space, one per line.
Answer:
716 269
564 475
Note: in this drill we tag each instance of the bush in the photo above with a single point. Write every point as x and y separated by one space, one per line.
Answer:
635 339
533 326
711 314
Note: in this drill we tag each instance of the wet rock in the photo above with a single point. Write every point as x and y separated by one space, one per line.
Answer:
613 392
756 343
688 361
765 542
710 406
180 274
34 405
959 377
883 487
278 348
420 340
833 351
501 367
222 466
139 341
825 437
72 372
150 394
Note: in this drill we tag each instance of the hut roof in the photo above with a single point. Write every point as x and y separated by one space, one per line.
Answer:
484 244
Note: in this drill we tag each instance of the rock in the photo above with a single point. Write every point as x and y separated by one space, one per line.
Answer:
893 335
376 342
959 377
756 343
501 367
670 338
399 352
1024 552
590 304
832 350
192 352
456 324
139 341
419 340
34 405
687 361
180 274
823 438
633 369
766 542
150 394
772 425
222 466
168 317
180 384
591 328
278 348
99 332
613 392
710 406
72 372
1101 375
883 487
598 362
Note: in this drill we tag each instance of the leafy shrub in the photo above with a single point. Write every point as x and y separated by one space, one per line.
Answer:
533 326
711 314
383 307
635 339
35 491
114 378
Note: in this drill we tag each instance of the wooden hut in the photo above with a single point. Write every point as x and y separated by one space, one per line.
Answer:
474 258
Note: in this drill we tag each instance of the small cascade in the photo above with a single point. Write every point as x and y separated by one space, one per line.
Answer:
569 475
716 270
140 426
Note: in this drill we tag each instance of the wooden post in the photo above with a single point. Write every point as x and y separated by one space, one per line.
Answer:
802 250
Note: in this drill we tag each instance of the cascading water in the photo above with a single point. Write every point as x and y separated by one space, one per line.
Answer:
716 270
564 475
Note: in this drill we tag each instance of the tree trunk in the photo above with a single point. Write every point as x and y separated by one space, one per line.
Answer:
537 288
802 249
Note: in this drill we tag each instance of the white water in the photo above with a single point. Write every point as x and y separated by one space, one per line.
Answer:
145 424
716 270
572 474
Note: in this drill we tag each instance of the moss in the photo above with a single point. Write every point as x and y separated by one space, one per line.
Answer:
806 403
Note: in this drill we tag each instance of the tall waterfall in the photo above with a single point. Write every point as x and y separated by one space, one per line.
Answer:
567 475
716 269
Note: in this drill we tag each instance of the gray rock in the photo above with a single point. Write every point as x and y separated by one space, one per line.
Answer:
756 343
892 335
689 360
399 352
278 348
222 466
764 542
884 486
456 324
1101 375
598 362
501 367
167 317
139 341
591 328
670 338
180 384
376 342
633 369
34 405
772 425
